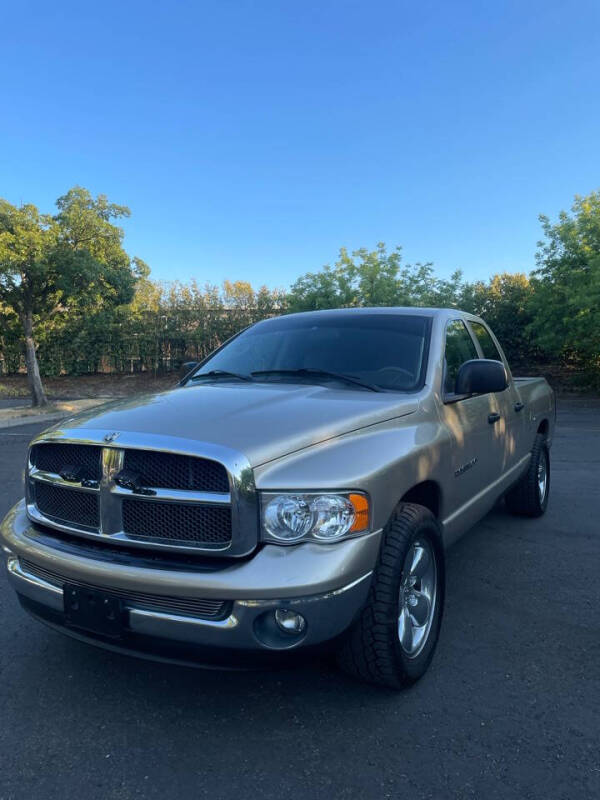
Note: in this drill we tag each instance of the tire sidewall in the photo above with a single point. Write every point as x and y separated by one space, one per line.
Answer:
524 496
543 453
414 668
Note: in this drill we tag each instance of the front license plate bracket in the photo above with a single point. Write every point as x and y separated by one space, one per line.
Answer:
94 611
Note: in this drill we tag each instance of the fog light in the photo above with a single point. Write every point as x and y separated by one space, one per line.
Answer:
289 621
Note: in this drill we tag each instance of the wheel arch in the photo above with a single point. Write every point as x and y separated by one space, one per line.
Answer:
426 493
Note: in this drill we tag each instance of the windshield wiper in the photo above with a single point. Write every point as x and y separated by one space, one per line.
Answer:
309 372
221 373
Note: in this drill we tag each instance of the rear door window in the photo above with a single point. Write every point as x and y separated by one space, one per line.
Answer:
486 342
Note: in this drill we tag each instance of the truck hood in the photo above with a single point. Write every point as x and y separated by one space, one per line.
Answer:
262 421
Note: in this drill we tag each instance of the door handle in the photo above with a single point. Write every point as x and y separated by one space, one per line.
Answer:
519 406
493 418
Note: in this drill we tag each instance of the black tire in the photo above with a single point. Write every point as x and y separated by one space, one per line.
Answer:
525 497
372 650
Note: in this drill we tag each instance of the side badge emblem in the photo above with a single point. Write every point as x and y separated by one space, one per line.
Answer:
469 465
110 437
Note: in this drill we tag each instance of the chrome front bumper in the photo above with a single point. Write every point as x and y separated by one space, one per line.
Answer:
327 584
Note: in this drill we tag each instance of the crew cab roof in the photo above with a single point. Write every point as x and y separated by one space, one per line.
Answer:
443 313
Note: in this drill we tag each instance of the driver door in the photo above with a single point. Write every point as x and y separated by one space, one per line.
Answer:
476 452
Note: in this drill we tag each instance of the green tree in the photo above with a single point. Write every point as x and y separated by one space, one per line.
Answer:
373 274
566 284
373 278
359 278
505 302
9 339
64 264
329 288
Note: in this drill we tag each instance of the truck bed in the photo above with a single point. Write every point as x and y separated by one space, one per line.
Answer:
537 396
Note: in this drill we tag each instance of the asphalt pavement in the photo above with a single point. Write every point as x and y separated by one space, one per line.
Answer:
509 709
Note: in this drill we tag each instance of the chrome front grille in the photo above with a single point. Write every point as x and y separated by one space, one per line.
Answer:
175 500
186 606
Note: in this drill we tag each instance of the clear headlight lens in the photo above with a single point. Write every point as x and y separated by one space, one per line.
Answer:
288 517
321 517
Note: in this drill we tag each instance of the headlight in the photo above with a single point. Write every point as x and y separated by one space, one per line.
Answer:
290 518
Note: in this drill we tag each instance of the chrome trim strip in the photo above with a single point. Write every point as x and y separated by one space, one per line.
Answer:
33 587
53 477
15 568
140 615
309 598
111 518
176 496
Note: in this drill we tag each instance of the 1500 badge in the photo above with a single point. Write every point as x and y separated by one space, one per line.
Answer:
465 467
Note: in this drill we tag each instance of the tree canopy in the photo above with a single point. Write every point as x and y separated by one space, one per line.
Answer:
62 265
566 283
373 278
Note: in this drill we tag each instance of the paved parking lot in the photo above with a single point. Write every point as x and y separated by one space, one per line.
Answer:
509 709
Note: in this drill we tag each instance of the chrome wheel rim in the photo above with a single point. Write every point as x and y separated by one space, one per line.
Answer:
542 477
418 588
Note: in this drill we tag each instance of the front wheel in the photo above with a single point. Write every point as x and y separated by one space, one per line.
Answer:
393 641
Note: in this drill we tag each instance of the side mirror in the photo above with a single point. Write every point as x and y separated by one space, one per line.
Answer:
481 376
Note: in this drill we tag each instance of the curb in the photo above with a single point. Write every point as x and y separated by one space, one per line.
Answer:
88 403
16 422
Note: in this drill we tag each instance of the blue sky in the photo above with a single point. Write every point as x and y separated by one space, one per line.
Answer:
252 139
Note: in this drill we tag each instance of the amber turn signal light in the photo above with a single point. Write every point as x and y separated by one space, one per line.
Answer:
361 509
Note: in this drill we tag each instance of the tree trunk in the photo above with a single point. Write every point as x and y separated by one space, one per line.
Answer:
38 397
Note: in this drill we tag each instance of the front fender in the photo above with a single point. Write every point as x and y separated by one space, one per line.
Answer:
384 460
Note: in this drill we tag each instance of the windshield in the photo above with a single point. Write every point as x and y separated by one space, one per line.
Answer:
387 351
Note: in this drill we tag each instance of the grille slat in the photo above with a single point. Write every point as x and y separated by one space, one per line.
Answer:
68 505
174 471
186 606
52 457
152 520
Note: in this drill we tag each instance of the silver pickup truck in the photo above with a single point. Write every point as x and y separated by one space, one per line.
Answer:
298 489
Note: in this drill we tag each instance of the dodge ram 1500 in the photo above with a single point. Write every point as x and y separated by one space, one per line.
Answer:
297 489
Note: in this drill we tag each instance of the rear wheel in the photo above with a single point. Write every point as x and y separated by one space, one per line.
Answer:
393 641
529 497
